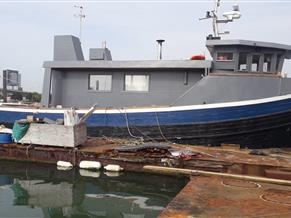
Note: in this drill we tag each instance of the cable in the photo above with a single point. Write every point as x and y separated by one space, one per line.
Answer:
127 125
158 122
185 93
150 138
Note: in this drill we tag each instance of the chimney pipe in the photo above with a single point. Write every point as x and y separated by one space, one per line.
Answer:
160 44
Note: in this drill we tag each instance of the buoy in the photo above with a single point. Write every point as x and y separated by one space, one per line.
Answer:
113 167
88 173
5 138
198 57
64 164
90 165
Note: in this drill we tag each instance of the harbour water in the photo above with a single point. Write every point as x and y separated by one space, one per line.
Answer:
41 190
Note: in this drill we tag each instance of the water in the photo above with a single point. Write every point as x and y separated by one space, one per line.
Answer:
38 190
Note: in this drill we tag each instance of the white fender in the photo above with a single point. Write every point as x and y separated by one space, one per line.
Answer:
90 165
64 164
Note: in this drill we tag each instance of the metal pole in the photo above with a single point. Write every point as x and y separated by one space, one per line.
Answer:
81 16
4 86
160 51
160 44
215 24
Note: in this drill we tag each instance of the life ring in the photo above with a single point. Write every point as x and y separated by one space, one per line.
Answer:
198 57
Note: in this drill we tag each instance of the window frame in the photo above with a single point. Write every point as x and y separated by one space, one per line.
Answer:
279 57
246 61
270 66
93 90
226 52
136 91
259 64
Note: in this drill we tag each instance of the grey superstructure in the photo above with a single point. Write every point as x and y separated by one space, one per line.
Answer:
252 70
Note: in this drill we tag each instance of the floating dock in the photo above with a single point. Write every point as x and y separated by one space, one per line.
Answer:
220 196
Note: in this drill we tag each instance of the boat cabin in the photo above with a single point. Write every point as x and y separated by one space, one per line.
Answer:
247 56
72 81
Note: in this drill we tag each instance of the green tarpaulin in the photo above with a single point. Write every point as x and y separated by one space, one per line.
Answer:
19 130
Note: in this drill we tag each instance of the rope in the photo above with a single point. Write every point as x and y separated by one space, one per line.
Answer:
127 126
141 138
150 138
185 93
159 126
27 149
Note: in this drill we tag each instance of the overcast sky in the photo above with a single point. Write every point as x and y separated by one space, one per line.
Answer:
130 29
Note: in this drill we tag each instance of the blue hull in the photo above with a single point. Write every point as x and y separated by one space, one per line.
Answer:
180 122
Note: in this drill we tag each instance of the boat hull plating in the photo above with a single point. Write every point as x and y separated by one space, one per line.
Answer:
255 123
267 131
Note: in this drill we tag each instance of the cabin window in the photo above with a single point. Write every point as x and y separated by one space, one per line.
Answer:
139 83
267 62
100 82
242 62
224 56
255 62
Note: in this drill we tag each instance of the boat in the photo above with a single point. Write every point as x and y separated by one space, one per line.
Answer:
241 96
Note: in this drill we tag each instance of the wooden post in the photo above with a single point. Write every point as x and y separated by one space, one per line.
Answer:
170 170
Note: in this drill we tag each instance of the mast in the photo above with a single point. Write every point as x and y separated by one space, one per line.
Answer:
81 16
229 17
215 18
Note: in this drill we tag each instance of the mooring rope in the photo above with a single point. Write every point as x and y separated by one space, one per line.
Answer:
140 137
185 93
150 138
159 127
27 149
127 125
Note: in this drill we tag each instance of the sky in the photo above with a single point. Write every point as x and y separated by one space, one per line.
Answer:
130 29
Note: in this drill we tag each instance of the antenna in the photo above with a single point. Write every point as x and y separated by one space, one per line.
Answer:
229 17
81 16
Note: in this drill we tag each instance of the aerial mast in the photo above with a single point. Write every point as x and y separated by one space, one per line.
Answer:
81 16
229 17
215 18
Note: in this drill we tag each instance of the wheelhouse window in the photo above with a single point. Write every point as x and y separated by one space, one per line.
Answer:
224 56
255 63
139 83
100 82
267 62
242 62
